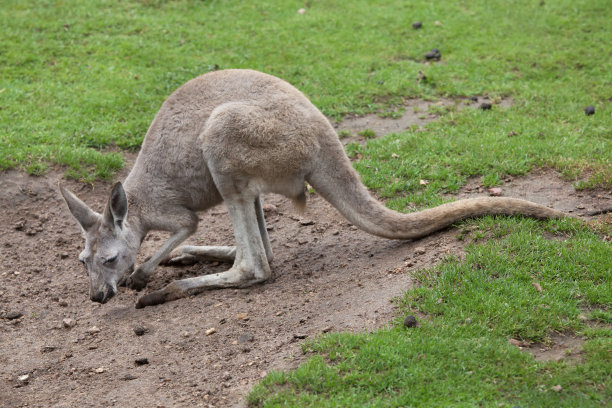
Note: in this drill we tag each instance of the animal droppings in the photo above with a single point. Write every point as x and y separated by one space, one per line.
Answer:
433 55
141 361
410 321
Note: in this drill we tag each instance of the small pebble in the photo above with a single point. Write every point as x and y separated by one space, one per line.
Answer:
495 191
13 315
210 331
270 208
247 337
485 106
410 321
68 322
140 330
416 25
589 110
93 330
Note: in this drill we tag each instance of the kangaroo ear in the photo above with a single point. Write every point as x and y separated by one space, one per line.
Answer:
83 214
117 207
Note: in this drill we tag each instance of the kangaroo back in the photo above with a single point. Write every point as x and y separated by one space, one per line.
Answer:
336 180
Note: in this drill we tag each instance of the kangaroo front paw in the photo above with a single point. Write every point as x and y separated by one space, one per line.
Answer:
170 292
136 281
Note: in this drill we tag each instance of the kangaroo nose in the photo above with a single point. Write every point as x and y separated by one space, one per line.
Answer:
98 297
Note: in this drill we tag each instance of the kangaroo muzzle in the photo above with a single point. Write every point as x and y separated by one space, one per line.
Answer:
102 296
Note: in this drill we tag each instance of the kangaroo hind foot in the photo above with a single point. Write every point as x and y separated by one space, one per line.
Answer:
190 254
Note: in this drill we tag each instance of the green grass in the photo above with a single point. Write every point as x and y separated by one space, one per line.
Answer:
367 133
81 77
460 355
82 80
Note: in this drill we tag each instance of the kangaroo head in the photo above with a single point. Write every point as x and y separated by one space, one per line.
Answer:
110 244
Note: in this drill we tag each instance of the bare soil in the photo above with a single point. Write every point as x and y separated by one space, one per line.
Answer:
416 112
328 277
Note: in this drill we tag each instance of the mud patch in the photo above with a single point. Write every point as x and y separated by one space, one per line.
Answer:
417 112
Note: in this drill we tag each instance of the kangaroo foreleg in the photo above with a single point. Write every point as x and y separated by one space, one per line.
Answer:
139 278
250 265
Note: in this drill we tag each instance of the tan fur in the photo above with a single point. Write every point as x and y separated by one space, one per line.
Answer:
231 136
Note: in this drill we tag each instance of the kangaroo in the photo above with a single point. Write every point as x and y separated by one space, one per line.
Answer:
229 136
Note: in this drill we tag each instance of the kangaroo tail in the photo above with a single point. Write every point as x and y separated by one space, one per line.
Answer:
335 179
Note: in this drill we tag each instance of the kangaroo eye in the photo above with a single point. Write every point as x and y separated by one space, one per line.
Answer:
110 260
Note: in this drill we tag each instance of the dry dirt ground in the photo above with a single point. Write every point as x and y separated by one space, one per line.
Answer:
59 349
328 276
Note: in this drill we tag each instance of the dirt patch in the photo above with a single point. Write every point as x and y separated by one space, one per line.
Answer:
328 276
417 112
567 347
66 351
546 187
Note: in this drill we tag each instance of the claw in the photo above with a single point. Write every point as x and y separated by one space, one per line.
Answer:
136 283
123 281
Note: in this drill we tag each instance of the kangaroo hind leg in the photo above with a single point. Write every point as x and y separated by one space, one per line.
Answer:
190 254
250 262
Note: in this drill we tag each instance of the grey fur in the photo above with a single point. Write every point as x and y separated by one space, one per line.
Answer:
231 136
